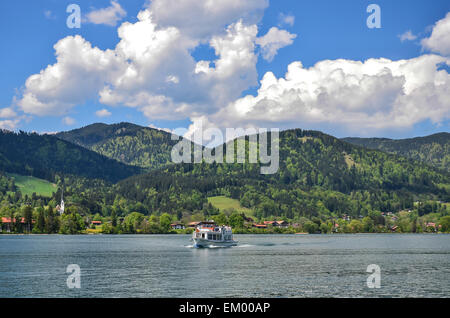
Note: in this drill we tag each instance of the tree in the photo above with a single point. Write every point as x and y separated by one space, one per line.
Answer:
28 217
165 220
113 218
40 224
132 222
368 225
107 228
51 223
414 224
356 226
16 220
310 227
72 223
445 223
236 220
220 219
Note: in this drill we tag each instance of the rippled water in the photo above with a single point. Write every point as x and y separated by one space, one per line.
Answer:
260 266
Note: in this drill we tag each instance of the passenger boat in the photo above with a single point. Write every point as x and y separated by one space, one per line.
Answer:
209 234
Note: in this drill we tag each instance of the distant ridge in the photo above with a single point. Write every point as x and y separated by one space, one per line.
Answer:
125 142
433 149
43 156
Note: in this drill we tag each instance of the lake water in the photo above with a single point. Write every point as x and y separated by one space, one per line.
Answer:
260 266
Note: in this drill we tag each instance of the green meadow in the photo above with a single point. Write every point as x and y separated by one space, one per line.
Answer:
28 185
223 203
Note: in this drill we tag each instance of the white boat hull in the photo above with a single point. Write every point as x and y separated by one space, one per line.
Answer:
199 242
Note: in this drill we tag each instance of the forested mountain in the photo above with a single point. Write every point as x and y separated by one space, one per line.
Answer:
433 149
44 156
319 178
131 144
319 175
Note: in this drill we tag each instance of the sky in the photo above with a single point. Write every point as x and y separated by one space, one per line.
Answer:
228 64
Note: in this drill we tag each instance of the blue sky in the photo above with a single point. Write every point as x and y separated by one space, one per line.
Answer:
324 29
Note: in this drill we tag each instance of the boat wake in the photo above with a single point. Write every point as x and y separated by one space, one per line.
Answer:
209 246
245 245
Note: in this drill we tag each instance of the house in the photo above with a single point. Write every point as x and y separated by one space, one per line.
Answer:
177 226
336 227
259 226
193 224
96 222
431 225
282 224
6 225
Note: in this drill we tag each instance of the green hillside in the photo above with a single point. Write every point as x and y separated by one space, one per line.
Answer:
131 144
320 178
224 203
43 156
433 150
319 175
29 185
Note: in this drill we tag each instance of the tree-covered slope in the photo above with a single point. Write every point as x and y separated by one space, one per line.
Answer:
318 175
43 156
131 144
433 150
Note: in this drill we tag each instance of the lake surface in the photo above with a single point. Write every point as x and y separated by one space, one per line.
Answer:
260 266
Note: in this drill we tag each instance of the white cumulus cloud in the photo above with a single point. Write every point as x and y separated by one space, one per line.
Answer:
439 40
152 69
79 73
274 40
205 18
9 124
103 113
69 121
286 19
407 36
108 16
7 113
364 97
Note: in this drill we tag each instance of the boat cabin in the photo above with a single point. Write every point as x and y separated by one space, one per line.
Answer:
210 231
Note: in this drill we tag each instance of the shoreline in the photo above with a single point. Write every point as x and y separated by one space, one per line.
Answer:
293 234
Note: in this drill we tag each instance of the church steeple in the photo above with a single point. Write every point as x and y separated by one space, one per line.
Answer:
61 206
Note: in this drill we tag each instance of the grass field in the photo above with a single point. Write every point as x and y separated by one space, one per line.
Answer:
28 185
222 203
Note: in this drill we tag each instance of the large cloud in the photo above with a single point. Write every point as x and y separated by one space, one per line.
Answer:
439 41
81 70
361 96
152 69
205 18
